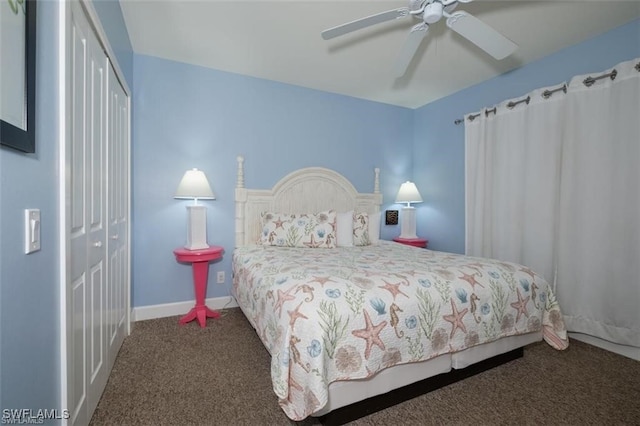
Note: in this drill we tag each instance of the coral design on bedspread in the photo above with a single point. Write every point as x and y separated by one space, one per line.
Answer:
347 313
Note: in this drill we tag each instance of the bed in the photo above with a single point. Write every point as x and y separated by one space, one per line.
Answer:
348 318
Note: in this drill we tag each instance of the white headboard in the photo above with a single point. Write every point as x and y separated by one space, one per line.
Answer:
307 190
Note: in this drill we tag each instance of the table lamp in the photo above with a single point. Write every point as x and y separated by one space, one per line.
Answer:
194 185
408 193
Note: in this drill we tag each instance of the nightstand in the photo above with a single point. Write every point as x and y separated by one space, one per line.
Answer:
199 260
416 242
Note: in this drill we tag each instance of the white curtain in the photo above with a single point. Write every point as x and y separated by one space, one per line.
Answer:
512 175
598 280
555 185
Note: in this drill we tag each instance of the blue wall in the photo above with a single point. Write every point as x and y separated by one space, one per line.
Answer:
110 15
438 148
29 284
187 116
29 308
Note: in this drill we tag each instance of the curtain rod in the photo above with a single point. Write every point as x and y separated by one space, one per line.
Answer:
547 93
589 81
512 104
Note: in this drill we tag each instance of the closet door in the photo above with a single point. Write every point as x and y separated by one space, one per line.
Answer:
96 213
118 217
87 257
76 290
96 218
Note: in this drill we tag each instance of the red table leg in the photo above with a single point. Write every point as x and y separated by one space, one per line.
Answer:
200 310
199 260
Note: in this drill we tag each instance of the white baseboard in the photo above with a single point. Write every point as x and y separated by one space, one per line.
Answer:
628 351
141 313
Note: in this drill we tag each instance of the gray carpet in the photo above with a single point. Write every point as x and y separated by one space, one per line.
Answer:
167 374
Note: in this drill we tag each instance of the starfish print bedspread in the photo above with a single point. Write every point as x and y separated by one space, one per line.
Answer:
346 313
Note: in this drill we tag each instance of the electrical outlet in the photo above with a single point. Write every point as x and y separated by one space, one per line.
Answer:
220 277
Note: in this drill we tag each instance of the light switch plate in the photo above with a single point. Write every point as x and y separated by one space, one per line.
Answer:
31 230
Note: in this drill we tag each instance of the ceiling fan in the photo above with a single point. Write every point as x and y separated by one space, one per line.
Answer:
430 12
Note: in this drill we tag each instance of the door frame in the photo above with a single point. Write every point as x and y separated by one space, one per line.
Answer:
64 21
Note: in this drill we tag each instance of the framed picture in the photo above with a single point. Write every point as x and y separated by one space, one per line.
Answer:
18 76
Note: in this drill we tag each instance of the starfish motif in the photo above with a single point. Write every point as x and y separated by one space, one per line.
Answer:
295 314
283 296
313 243
321 280
293 384
278 223
394 289
456 318
471 279
411 272
370 372
370 334
520 306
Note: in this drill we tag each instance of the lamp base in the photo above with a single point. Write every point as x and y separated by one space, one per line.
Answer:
408 223
196 228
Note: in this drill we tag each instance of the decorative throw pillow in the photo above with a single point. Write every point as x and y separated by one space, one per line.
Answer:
344 224
299 230
361 229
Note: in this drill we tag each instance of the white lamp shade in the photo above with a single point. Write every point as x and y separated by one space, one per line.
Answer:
194 185
408 193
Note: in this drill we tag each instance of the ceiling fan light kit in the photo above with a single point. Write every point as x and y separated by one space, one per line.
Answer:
430 12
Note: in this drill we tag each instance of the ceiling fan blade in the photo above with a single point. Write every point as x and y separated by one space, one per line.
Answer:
359 24
417 34
481 34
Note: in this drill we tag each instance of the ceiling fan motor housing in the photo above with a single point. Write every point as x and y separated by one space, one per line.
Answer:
432 12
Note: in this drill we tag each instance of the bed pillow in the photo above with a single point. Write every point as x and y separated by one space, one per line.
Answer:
374 228
344 231
361 229
299 230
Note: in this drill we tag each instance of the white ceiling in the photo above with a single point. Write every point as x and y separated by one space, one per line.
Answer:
280 41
